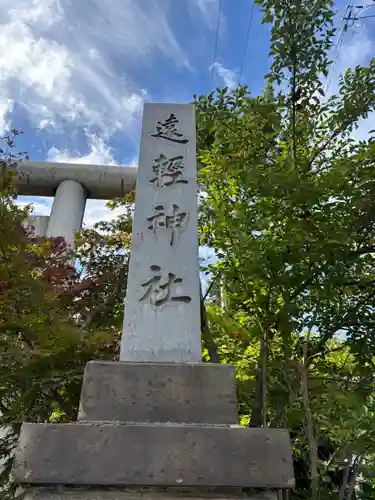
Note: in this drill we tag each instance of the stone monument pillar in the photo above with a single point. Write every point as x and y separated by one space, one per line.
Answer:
159 424
162 309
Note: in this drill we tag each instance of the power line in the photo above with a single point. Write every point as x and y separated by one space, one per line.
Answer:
340 42
360 10
216 38
246 41
362 17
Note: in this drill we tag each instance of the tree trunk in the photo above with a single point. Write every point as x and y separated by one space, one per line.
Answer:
312 445
353 479
209 340
259 403
345 478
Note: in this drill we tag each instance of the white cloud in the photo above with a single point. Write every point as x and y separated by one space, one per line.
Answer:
44 12
133 28
358 51
228 76
6 107
97 211
41 64
209 10
99 153
40 206
66 63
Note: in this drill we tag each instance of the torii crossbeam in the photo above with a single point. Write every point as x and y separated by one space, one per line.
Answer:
71 185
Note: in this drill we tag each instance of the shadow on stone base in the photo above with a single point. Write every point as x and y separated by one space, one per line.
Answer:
63 493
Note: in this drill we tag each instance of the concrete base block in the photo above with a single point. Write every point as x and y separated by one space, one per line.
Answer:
159 392
121 454
154 431
147 494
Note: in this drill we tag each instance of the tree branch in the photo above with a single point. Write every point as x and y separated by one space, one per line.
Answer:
325 352
210 287
103 306
210 342
64 405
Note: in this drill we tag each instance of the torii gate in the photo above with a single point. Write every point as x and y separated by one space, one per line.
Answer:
71 185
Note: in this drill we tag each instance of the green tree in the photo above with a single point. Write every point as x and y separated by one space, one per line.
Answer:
54 317
288 207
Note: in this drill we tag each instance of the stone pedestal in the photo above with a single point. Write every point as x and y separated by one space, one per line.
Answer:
153 431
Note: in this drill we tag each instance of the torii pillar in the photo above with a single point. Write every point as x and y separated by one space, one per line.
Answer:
71 185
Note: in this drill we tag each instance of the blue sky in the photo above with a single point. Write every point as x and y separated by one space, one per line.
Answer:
75 73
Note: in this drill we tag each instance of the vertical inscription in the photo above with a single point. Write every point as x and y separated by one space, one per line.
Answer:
162 308
167 171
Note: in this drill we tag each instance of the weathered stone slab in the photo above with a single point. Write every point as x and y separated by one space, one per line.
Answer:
54 493
118 454
162 306
159 392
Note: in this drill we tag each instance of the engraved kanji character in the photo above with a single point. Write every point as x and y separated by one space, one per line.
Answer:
175 221
168 170
159 292
168 130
